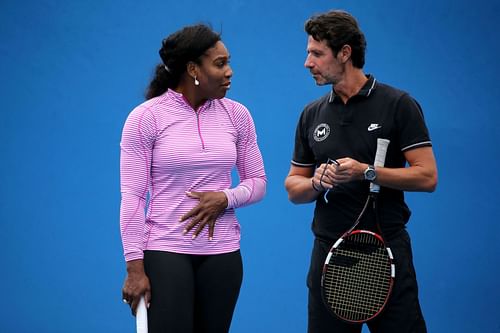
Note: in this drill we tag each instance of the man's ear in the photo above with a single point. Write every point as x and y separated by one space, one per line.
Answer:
345 53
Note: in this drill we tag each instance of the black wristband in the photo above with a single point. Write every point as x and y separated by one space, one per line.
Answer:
313 186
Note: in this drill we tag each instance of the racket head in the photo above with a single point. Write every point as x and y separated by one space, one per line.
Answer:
358 276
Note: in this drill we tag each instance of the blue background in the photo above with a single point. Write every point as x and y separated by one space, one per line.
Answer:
71 71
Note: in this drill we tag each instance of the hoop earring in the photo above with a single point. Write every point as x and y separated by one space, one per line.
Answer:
196 82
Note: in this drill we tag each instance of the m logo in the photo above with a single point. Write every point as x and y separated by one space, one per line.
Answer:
321 132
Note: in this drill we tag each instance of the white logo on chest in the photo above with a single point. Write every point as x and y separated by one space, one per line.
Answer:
373 127
321 132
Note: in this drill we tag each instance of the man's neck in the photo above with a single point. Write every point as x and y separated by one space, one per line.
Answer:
352 82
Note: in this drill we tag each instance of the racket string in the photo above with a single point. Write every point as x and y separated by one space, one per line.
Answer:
373 293
358 277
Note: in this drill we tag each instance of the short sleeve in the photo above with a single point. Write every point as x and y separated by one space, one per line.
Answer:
303 155
412 130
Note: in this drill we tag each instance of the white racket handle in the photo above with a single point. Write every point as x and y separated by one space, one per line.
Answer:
141 317
382 145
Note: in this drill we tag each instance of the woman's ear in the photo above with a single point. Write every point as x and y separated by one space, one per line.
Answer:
192 69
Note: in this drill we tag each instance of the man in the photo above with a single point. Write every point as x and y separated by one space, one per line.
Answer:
344 125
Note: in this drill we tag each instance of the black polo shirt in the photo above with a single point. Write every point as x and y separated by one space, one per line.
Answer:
328 128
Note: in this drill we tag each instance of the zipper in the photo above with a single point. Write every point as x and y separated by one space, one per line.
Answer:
197 114
199 130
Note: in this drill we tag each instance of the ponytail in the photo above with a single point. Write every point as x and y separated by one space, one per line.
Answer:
161 81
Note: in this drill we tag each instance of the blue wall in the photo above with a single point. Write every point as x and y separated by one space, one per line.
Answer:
71 71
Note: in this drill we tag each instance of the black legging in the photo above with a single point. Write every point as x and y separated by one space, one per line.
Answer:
192 293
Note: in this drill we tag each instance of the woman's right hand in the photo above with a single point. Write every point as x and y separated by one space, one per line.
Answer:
136 285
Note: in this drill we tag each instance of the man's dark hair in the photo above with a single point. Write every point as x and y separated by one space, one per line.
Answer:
339 28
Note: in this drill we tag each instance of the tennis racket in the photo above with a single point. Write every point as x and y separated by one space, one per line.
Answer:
141 317
358 272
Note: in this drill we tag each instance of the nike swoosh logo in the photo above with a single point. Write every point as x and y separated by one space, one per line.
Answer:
373 127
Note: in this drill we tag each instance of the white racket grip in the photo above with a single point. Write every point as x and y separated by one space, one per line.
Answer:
141 317
382 145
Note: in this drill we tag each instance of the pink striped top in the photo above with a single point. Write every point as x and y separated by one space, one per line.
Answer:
167 149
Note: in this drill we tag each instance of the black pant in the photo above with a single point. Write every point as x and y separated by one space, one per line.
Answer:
402 313
192 293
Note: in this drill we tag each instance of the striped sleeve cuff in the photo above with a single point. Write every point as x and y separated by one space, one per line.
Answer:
417 145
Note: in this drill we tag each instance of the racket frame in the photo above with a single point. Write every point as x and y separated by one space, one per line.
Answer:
350 232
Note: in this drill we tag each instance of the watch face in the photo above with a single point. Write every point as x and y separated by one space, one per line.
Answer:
370 174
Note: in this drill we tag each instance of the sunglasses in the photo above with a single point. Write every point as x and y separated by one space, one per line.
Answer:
328 162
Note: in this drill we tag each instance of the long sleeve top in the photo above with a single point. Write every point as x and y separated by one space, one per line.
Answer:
167 149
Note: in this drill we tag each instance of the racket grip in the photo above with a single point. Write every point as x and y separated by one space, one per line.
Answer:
382 145
141 317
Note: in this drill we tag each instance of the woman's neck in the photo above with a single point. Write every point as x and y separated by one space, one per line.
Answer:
191 95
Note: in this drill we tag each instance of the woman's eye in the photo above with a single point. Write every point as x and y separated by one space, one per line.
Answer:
221 64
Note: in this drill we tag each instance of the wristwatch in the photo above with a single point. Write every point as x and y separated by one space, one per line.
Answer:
370 173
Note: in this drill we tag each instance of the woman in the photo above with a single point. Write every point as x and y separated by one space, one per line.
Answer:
180 147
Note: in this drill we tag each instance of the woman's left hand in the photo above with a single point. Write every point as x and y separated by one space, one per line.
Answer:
211 205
